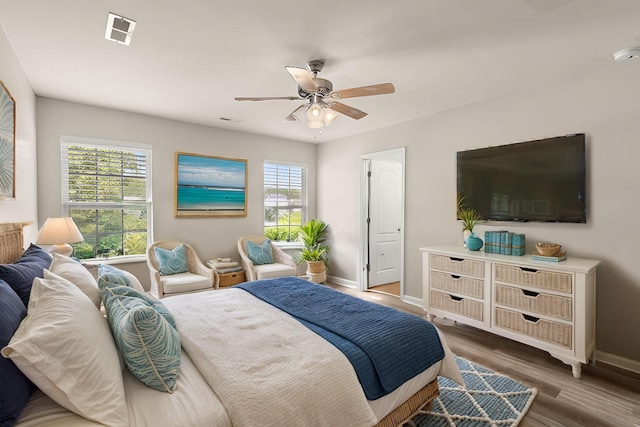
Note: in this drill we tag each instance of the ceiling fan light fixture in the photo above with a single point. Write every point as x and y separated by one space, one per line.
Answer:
315 113
329 115
314 124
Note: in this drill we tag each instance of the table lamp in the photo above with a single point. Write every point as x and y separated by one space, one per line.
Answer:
59 232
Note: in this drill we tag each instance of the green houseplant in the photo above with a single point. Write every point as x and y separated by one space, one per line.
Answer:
468 216
315 252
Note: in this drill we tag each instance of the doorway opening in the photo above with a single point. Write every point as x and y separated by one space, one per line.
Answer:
382 222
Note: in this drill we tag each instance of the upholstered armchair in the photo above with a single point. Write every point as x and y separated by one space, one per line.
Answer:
191 275
283 264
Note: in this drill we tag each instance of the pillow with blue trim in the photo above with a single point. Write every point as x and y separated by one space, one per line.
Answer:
111 277
124 277
21 273
260 254
16 387
171 261
149 344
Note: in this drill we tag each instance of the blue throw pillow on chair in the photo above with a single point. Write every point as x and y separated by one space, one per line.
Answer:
171 261
260 254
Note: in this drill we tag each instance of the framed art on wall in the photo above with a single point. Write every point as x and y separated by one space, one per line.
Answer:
209 186
7 144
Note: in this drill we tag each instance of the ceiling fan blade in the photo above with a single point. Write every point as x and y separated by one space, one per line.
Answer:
292 117
341 108
269 98
303 77
379 89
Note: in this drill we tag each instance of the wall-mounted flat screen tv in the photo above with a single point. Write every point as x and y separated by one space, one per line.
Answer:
542 180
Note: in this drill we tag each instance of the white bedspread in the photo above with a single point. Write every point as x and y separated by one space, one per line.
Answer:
266 367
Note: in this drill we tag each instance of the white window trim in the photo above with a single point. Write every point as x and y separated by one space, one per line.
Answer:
66 140
305 202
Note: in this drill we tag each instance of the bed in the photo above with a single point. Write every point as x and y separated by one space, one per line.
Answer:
243 360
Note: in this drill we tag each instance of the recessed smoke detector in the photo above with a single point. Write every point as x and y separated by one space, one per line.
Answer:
119 29
627 54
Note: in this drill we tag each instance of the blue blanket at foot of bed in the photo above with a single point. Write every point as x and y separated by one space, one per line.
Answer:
386 347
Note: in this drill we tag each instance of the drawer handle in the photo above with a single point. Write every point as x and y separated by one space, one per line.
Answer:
531 319
453 276
529 270
456 298
530 293
456 259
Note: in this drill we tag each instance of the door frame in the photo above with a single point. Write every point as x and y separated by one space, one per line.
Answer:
398 155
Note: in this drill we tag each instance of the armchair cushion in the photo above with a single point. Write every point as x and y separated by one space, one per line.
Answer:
185 282
270 271
260 254
171 261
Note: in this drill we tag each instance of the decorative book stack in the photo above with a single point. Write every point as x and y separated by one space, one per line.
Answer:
504 242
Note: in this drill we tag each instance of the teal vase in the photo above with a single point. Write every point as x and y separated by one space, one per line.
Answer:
474 243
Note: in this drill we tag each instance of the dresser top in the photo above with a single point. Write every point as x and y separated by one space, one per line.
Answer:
570 264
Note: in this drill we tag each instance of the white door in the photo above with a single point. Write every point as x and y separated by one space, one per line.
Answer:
385 221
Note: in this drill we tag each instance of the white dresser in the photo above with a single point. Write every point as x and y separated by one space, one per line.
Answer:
548 305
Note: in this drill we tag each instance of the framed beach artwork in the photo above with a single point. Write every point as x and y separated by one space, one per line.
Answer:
7 144
209 186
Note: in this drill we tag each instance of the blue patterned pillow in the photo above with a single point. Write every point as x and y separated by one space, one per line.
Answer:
116 278
126 278
21 273
16 387
149 345
260 254
173 261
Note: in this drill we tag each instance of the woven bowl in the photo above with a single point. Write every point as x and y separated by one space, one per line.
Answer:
548 249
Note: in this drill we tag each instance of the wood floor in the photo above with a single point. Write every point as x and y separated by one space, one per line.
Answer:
392 288
605 396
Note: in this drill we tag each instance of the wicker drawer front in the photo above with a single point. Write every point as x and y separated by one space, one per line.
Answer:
457 265
546 330
230 279
541 279
535 302
453 304
458 284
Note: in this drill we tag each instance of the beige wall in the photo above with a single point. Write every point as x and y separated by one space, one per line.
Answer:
211 237
24 207
603 104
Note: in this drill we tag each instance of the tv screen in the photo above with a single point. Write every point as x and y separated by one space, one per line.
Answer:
541 180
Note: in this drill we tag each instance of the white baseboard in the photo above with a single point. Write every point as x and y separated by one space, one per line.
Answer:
343 282
620 362
412 300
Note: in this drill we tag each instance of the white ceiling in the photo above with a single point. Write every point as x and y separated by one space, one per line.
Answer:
188 60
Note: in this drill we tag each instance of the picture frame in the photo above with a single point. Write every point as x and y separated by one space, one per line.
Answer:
209 186
7 144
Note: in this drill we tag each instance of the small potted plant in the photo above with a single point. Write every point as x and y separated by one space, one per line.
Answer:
469 218
315 252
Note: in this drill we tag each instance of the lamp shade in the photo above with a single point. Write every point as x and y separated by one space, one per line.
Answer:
59 232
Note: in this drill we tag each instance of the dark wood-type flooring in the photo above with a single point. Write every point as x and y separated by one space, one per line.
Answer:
604 396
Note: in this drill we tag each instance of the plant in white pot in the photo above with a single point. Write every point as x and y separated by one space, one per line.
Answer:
315 252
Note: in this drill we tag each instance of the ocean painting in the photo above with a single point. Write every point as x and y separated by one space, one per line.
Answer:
210 186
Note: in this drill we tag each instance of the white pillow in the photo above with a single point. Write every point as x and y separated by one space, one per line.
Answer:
64 346
77 274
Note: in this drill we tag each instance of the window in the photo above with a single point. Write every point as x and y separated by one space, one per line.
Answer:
106 189
285 200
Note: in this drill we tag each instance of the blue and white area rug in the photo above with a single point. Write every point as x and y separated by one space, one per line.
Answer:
488 399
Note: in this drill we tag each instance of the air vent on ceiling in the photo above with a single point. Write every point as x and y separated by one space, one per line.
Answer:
119 29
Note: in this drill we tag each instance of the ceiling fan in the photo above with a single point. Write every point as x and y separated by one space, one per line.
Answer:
323 104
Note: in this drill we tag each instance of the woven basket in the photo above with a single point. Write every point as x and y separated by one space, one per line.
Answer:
315 267
230 279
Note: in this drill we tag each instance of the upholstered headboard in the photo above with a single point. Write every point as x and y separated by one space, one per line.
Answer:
11 239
